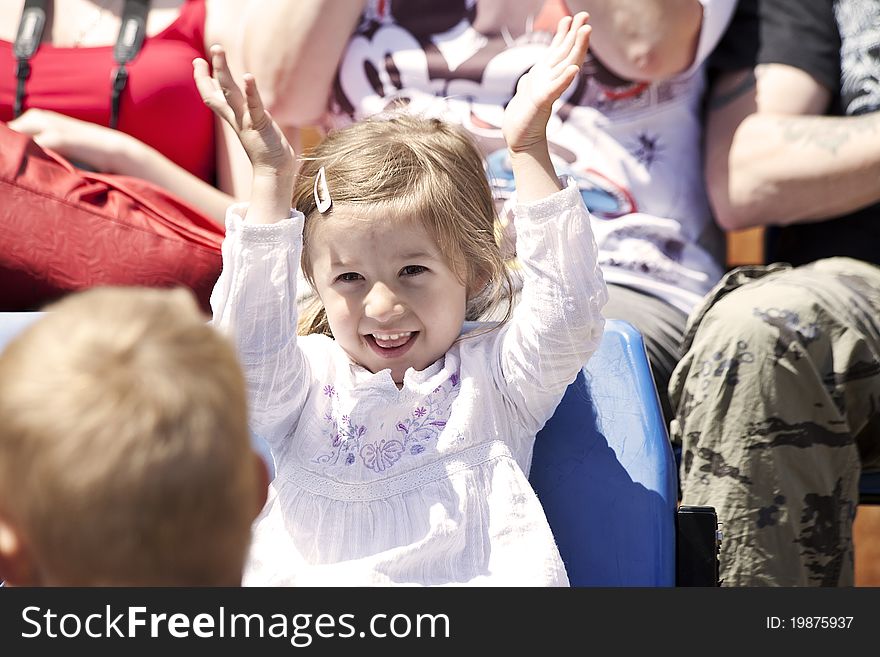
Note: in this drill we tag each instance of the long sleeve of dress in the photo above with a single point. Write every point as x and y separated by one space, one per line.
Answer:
254 302
557 323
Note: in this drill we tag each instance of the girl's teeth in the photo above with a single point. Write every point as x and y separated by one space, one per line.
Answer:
392 339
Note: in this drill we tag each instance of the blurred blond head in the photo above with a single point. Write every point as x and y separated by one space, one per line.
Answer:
124 450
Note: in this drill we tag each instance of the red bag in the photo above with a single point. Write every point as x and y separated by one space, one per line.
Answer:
64 229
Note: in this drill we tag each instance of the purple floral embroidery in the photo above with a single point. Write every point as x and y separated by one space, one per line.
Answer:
350 432
344 439
382 454
415 432
429 417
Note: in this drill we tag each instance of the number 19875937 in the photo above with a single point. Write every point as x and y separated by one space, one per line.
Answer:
809 622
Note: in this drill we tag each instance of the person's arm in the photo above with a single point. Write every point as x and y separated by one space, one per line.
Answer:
557 323
644 40
272 158
254 300
294 47
111 151
525 118
772 160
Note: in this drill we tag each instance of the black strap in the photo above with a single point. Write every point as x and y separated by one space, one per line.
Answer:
128 44
27 40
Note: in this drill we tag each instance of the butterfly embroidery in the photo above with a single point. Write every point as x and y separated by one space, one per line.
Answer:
382 454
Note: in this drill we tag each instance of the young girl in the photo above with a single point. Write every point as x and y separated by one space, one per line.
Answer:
402 449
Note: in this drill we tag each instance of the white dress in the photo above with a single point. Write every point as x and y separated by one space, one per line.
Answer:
427 484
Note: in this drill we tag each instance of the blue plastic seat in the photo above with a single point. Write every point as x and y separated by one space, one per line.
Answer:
604 470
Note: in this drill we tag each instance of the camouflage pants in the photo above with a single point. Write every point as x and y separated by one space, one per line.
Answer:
777 404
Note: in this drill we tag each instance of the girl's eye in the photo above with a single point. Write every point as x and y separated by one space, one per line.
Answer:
349 277
413 270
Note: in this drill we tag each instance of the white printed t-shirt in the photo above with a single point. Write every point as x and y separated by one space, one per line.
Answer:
635 149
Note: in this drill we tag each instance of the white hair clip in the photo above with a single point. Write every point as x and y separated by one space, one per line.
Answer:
322 199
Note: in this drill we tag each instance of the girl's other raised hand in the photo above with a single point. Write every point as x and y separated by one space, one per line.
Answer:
527 114
268 149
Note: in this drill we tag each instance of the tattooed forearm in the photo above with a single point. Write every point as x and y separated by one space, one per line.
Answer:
827 133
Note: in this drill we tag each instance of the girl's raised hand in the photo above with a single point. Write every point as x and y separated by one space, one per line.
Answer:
527 114
268 149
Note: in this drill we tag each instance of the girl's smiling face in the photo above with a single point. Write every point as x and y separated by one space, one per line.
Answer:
392 299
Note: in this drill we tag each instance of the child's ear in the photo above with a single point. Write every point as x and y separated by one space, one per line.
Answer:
16 565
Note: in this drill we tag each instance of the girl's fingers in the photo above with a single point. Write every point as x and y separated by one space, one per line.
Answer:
579 50
220 93
224 79
566 40
556 86
204 82
570 56
577 22
561 31
221 68
254 103
556 51
209 90
567 77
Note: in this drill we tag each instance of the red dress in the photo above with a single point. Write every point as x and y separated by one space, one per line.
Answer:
63 229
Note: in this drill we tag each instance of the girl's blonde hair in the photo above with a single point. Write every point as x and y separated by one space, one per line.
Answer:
404 165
